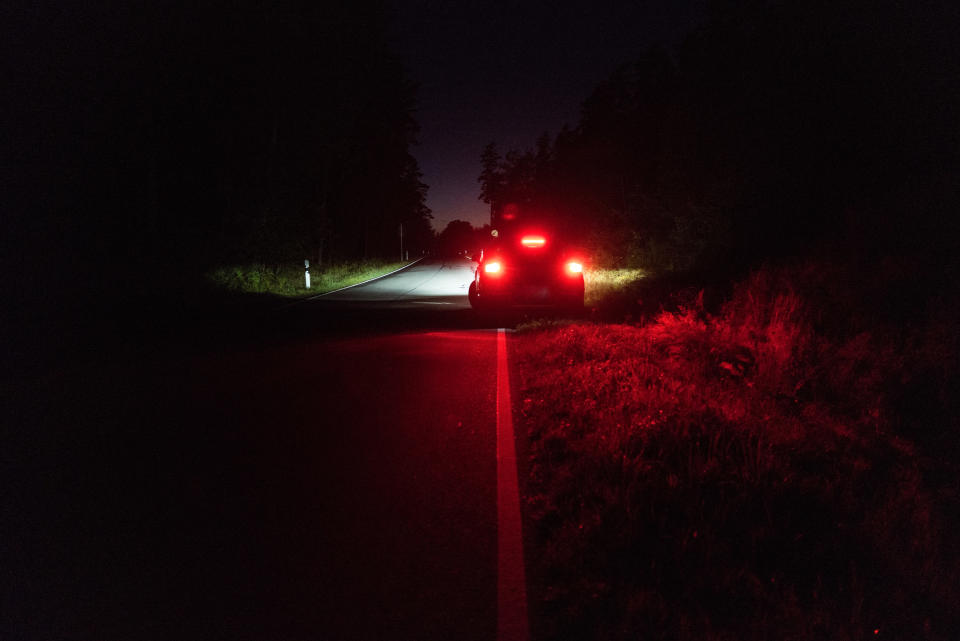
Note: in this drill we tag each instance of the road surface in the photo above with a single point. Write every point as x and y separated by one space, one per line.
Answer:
426 282
337 481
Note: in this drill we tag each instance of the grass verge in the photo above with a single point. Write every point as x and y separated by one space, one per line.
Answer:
769 472
288 280
601 285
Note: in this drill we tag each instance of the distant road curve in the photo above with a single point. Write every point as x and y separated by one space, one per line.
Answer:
430 281
370 280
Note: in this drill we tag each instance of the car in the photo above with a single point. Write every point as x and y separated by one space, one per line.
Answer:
529 269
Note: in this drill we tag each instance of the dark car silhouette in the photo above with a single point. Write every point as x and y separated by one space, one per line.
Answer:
529 269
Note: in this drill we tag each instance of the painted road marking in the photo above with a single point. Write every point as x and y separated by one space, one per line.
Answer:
512 622
366 282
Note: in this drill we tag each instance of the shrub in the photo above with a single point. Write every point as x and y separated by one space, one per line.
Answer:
746 475
601 285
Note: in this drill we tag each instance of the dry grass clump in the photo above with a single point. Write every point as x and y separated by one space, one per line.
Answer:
603 284
759 474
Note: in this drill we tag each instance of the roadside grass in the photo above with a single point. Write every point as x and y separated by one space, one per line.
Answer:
768 472
288 280
602 285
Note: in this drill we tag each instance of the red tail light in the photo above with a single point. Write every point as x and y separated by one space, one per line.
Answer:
533 241
574 267
492 267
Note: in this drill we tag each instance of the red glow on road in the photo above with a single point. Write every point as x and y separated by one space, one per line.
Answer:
533 242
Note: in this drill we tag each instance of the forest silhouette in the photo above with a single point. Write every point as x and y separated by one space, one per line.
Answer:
162 140
158 141
774 130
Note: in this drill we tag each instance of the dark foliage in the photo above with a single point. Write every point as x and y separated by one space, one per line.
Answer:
784 468
776 127
460 237
153 141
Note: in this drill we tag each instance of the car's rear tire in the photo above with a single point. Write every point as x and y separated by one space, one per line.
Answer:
474 299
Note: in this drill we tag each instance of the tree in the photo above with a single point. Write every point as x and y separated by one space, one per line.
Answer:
772 128
192 135
458 236
491 179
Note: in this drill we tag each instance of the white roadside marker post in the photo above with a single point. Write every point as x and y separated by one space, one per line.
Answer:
306 272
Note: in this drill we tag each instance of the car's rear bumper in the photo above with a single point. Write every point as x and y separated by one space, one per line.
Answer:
556 294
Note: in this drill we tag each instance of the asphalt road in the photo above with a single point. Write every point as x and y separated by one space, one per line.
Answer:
427 282
337 480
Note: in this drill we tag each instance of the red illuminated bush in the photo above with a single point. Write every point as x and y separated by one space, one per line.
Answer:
748 475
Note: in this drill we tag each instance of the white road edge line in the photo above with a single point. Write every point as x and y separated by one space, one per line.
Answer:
410 264
512 622
303 300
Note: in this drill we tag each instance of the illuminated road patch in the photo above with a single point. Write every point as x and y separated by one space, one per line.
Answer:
427 282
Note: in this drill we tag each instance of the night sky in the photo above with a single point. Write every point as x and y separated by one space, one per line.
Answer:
508 71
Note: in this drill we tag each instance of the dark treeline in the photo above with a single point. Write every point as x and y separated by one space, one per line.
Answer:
152 141
774 129
461 238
